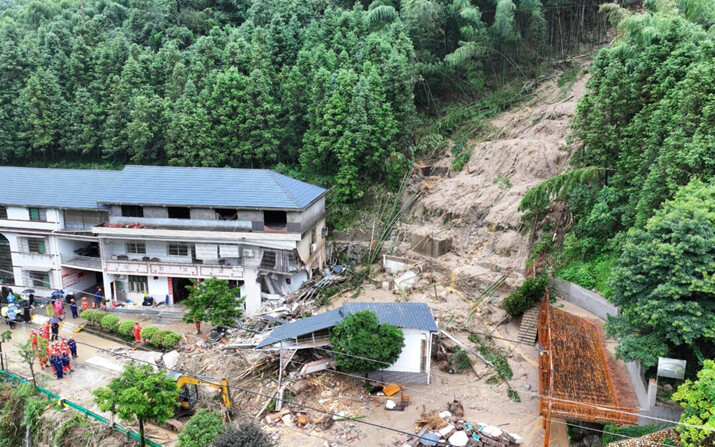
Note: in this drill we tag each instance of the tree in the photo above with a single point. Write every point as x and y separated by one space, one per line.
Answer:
4 337
663 282
246 433
214 301
367 345
28 354
698 400
139 394
202 429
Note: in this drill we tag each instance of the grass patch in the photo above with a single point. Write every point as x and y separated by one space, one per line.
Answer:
593 274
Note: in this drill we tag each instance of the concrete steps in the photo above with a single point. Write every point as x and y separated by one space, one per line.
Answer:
529 326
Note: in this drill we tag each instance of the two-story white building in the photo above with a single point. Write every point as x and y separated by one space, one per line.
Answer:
152 229
46 221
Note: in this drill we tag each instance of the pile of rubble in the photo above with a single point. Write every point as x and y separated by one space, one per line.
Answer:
446 429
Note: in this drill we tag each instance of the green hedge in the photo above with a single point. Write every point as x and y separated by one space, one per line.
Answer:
110 323
126 329
161 339
148 331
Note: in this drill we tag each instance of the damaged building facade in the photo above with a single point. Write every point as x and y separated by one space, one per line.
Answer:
163 226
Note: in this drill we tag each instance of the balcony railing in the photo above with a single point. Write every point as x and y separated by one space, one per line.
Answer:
81 262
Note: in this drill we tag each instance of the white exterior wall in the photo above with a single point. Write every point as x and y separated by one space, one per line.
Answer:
158 288
410 357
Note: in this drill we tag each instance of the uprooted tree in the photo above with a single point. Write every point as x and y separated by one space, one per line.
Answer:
139 394
212 300
362 345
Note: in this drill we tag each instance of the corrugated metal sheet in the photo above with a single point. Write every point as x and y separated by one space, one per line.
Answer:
403 315
54 188
214 187
303 326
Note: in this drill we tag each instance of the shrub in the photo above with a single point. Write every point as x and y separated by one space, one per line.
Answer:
88 314
526 296
148 332
109 323
201 430
247 433
157 338
97 316
462 361
171 340
126 329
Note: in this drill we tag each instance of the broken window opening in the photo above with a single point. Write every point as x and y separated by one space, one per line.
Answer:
132 211
275 220
226 214
179 212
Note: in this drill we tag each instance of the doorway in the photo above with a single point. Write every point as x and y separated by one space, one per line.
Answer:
178 286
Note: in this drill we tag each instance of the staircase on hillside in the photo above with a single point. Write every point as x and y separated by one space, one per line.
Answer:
529 326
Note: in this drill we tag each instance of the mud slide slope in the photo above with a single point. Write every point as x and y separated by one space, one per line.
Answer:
478 206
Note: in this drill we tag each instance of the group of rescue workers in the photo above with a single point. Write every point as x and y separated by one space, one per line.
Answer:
54 355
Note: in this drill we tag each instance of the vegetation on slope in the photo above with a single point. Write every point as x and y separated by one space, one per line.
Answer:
325 90
645 131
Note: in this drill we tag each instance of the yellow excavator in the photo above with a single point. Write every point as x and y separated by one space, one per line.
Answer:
188 387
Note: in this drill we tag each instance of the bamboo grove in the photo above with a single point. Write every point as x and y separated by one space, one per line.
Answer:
326 90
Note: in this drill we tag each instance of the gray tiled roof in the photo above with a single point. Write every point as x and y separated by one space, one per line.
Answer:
403 315
212 187
54 188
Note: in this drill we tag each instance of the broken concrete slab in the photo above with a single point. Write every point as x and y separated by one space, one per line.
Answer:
430 244
394 264
406 280
459 439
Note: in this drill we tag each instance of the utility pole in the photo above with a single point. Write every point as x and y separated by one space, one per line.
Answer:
81 8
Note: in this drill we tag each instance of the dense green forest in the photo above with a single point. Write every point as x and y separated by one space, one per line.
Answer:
330 91
641 196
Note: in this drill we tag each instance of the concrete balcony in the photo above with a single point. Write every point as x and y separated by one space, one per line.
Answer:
154 267
82 262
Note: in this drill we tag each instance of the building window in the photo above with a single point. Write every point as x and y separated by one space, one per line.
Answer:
139 284
177 212
38 214
178 249
84 220
275 220
136 248
39 279
132 211
3 212
36 245
226 214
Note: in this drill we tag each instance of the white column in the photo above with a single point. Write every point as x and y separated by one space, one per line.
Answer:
253 291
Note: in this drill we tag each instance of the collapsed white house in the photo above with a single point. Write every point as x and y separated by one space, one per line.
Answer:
415 319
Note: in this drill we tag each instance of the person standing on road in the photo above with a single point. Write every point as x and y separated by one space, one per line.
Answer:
73 347
137 332
98 298
66 367
85 304
73 308
55 332
59 307
33 337
57 363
